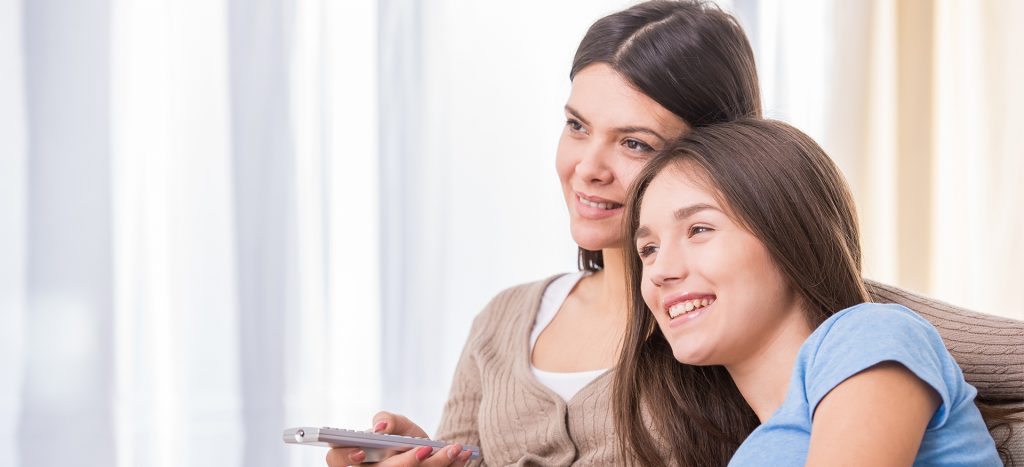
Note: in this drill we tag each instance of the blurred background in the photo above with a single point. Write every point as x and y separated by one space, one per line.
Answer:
221 218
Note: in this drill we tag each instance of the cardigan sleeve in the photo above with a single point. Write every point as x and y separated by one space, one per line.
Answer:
460 419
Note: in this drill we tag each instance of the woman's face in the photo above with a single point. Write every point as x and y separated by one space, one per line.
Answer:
611 129
713 288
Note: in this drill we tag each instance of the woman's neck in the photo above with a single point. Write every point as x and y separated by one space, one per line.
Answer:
763 378
611 281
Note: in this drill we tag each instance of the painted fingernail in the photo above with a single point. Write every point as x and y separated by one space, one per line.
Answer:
380 426
423 453
465 455
357 457
454 451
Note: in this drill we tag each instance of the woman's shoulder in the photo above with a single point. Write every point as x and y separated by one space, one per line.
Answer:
521 294
515 304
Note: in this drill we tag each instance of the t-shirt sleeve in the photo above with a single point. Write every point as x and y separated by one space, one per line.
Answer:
869 334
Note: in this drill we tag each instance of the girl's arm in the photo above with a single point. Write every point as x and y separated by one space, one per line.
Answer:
876 417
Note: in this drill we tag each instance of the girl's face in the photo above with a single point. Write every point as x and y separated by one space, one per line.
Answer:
611 129
715 291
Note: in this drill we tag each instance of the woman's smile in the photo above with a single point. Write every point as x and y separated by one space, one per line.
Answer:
596 208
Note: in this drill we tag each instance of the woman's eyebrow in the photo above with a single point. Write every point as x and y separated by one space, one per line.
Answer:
576 114
640 129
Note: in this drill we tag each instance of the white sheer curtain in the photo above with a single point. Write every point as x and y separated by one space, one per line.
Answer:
175 281
12 226
178 192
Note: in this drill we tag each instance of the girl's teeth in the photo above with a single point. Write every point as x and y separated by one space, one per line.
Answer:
688 306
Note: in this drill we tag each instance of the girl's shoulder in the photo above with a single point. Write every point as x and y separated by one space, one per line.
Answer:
868 334
871 331
875 321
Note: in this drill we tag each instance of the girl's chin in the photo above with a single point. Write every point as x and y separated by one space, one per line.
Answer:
692 357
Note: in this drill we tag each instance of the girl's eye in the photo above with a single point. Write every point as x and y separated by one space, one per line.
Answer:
698 229
637 145
574 125
647 250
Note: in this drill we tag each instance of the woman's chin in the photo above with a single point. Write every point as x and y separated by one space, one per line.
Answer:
594 241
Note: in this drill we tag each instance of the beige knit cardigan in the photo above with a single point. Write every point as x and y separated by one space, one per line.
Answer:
497 404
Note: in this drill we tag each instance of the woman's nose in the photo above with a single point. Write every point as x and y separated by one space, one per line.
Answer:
593 164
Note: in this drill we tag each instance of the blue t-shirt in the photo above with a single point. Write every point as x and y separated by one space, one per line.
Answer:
851 341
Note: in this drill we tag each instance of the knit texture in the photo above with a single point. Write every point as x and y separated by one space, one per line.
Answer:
497 404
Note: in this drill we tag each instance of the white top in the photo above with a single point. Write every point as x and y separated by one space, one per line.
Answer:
563 384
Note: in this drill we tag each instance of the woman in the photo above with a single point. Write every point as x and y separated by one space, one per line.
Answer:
641 77
746 269
532 385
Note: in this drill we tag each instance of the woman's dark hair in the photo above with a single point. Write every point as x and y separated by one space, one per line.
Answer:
688 56
777 183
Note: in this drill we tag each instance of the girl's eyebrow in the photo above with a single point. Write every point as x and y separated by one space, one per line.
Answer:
679 214
642 232
683 213
624 129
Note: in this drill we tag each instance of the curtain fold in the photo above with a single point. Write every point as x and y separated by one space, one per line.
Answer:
13 207
178 318
264 212
68 372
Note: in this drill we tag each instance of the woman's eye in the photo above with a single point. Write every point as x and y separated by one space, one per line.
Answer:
574 125
698 229
637 145
647 250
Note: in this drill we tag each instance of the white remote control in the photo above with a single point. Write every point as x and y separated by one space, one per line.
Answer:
375 445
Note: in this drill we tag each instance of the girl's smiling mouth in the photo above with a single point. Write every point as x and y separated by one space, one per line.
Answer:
688 305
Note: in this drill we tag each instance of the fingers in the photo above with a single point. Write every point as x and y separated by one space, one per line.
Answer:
394 424
341 457
451 455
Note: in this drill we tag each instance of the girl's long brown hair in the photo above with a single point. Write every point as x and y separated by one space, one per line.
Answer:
780 185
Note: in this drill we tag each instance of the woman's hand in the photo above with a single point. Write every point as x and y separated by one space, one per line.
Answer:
394 424
451 455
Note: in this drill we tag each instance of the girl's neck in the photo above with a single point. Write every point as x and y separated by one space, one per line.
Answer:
763 378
